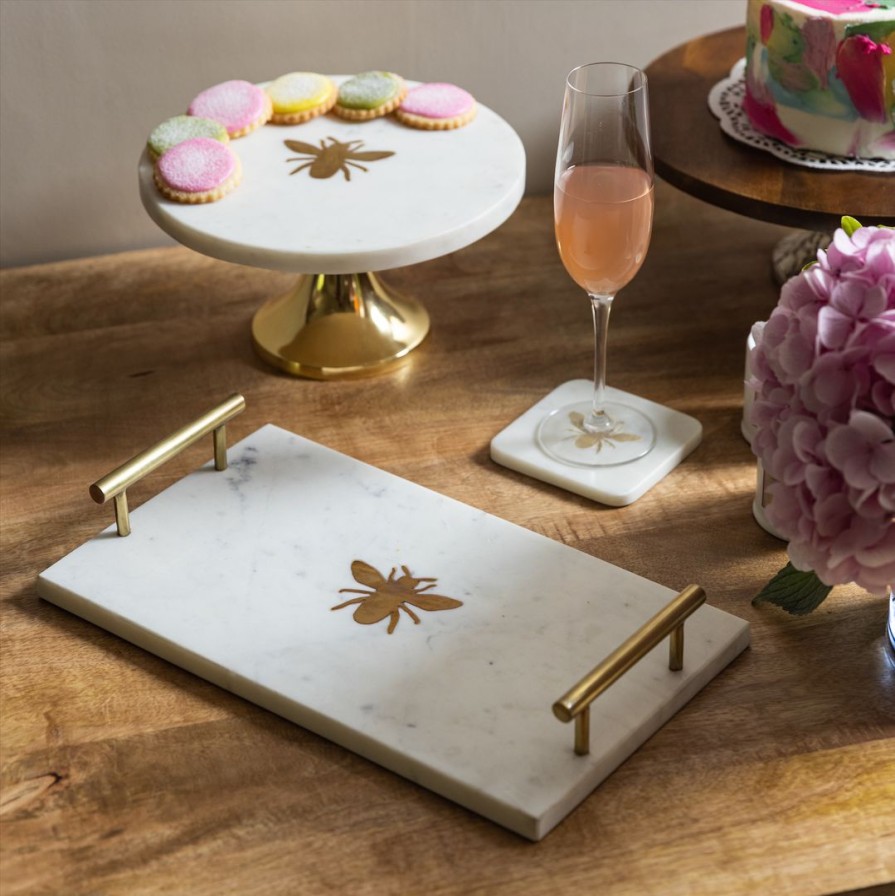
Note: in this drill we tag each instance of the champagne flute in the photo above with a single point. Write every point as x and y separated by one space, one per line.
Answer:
603 212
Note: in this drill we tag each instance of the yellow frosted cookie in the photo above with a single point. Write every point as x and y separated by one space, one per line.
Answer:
300 96
370 95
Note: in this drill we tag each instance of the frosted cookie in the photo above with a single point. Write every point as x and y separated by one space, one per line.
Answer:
239 106
300 96
198 170
436 107
184 127
370 95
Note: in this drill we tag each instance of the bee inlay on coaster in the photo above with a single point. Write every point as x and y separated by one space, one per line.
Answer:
586 439
386 597
325 161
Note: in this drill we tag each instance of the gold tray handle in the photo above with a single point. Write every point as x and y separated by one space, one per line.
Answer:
575 703
114 484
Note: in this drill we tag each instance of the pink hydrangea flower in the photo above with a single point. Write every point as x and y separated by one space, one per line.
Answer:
823 371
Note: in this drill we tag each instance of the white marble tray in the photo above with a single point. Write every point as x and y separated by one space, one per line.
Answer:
439 192
234 576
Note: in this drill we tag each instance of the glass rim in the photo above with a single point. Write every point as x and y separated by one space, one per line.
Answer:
607 93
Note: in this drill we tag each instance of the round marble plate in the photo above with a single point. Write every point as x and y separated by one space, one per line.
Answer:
439 191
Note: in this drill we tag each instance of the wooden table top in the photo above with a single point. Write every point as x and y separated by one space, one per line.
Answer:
122 774
693 153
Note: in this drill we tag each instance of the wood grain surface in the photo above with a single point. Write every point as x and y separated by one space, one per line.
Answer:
122 774
694 154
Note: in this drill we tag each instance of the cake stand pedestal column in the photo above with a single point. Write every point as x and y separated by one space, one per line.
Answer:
794 251
338 325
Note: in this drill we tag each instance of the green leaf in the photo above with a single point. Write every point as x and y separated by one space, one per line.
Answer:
850 225
795 591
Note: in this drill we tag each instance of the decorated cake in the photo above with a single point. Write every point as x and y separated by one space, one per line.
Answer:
820 74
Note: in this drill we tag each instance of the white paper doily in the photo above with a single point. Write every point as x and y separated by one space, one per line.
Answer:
726 103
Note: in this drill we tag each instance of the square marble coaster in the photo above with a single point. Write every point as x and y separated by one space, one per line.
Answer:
279 579
677 435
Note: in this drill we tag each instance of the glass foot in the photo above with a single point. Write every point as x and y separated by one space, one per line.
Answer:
564 435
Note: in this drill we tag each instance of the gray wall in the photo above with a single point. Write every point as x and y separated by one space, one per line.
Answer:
82 82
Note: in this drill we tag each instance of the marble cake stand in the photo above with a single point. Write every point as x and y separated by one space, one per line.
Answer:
436 192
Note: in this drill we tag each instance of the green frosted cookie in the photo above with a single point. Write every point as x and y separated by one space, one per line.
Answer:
184 127
370 95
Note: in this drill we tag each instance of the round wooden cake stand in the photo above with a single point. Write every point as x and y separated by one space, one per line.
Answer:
337 203
693 154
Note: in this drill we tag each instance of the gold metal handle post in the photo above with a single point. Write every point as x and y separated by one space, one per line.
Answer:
575 703
115 484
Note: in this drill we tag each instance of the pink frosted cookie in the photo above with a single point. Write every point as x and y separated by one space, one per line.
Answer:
436 107
239 106
197 170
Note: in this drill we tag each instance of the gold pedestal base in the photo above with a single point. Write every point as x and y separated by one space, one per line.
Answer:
331 326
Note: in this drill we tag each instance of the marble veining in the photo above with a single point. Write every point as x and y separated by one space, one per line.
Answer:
233 575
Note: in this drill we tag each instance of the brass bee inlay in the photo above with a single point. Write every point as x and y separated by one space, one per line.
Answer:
384 597
586 439
329 159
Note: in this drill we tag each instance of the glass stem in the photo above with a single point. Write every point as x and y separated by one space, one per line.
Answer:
599 420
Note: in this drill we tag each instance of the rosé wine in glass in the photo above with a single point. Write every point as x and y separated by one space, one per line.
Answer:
603 212
604 216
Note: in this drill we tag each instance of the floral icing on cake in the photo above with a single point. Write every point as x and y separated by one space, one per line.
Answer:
819 74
